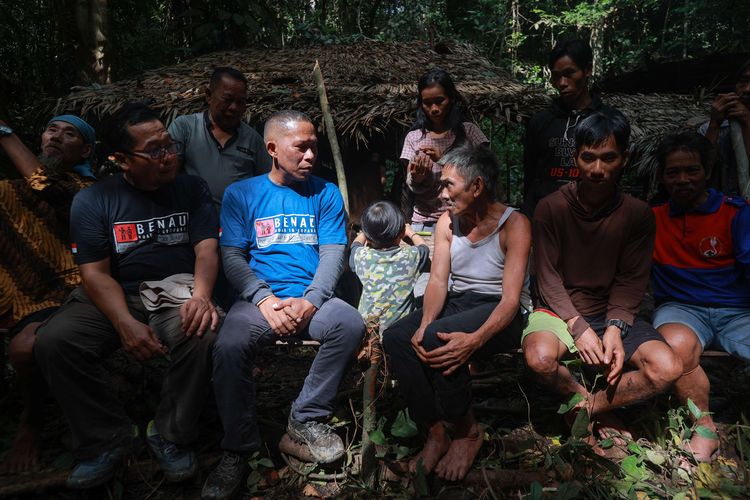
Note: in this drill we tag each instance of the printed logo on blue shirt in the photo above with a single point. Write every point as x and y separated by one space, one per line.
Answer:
286 229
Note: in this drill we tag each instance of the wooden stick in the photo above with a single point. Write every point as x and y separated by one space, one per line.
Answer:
331 132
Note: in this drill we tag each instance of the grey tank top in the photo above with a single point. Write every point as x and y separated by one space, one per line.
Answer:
478 267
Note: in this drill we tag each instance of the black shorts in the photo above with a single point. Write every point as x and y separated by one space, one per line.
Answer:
641 332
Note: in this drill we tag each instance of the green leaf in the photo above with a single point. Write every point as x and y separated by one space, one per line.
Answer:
266 462
706 433
254 478
402 452
377 436
632 467
580 426
420 480
634 448
572 402
403 426
119 490
680 496
654 457
696 412
606 443
536 492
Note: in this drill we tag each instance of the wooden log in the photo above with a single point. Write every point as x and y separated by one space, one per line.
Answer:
331 133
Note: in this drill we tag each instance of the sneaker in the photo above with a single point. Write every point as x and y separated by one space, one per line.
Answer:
176 463
97 471
324 444
227 478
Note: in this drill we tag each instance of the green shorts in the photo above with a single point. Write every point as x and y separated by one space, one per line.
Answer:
543 320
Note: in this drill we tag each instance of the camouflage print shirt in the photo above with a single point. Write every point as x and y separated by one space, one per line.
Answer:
388 276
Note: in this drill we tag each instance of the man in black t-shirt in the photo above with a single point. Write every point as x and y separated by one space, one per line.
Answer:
143 225
549 143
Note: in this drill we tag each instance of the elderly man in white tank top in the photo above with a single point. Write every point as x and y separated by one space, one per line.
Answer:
483 245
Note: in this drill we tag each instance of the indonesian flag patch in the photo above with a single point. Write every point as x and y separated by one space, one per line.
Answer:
74 248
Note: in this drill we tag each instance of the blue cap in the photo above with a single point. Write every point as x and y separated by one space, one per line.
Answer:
89 137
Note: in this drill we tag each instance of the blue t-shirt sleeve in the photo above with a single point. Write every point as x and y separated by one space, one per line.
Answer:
741 239
235 231
88 228
332 217
204 221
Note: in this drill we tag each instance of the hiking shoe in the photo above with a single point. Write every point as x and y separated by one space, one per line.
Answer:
97 471
176 463
324 444
226 480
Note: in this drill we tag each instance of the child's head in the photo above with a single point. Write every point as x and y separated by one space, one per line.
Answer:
383 224
438 101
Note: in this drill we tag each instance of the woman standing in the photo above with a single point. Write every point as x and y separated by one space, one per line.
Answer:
439 127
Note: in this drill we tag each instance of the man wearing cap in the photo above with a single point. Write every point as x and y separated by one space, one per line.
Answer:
36 268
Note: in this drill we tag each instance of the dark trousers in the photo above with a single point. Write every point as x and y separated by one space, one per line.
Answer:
336 325
432 396
70 348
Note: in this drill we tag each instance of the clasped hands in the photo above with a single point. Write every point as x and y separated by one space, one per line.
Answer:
288 316
458 348
607 353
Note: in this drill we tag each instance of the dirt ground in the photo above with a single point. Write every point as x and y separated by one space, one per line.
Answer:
528 448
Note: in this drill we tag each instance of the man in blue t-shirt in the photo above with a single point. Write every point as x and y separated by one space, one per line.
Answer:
146 227
283 244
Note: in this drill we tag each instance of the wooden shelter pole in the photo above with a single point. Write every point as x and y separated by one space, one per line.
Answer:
331 132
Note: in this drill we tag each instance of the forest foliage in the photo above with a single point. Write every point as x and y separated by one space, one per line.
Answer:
50 46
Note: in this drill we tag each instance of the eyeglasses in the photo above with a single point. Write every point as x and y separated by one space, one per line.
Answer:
160 152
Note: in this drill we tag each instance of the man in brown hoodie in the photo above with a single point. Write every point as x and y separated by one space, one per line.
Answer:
592 252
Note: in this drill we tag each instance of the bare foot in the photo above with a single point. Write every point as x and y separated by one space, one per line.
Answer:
463 450
24 453
703 449
609 425
435 447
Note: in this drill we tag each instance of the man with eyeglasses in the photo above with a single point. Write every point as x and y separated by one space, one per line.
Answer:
219 146
145 241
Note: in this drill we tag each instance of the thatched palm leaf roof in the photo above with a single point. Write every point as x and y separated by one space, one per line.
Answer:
371 87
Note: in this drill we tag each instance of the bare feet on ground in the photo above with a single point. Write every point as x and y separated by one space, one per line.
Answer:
609 425
435 447
703 449
24 453
460 456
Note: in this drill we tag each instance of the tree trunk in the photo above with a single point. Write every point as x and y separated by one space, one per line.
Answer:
92 21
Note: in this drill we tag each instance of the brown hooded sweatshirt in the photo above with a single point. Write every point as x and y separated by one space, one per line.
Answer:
591 264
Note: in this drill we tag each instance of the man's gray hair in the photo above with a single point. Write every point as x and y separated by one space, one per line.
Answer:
473 162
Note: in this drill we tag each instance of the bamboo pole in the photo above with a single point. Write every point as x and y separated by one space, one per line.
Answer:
331 132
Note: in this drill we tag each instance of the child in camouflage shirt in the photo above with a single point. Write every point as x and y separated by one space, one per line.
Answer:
387 269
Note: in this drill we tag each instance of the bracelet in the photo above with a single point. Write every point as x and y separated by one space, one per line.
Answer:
263 300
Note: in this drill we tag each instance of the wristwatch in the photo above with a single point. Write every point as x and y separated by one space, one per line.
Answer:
619 324
5 130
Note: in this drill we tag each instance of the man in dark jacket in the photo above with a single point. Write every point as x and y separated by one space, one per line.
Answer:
549 145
